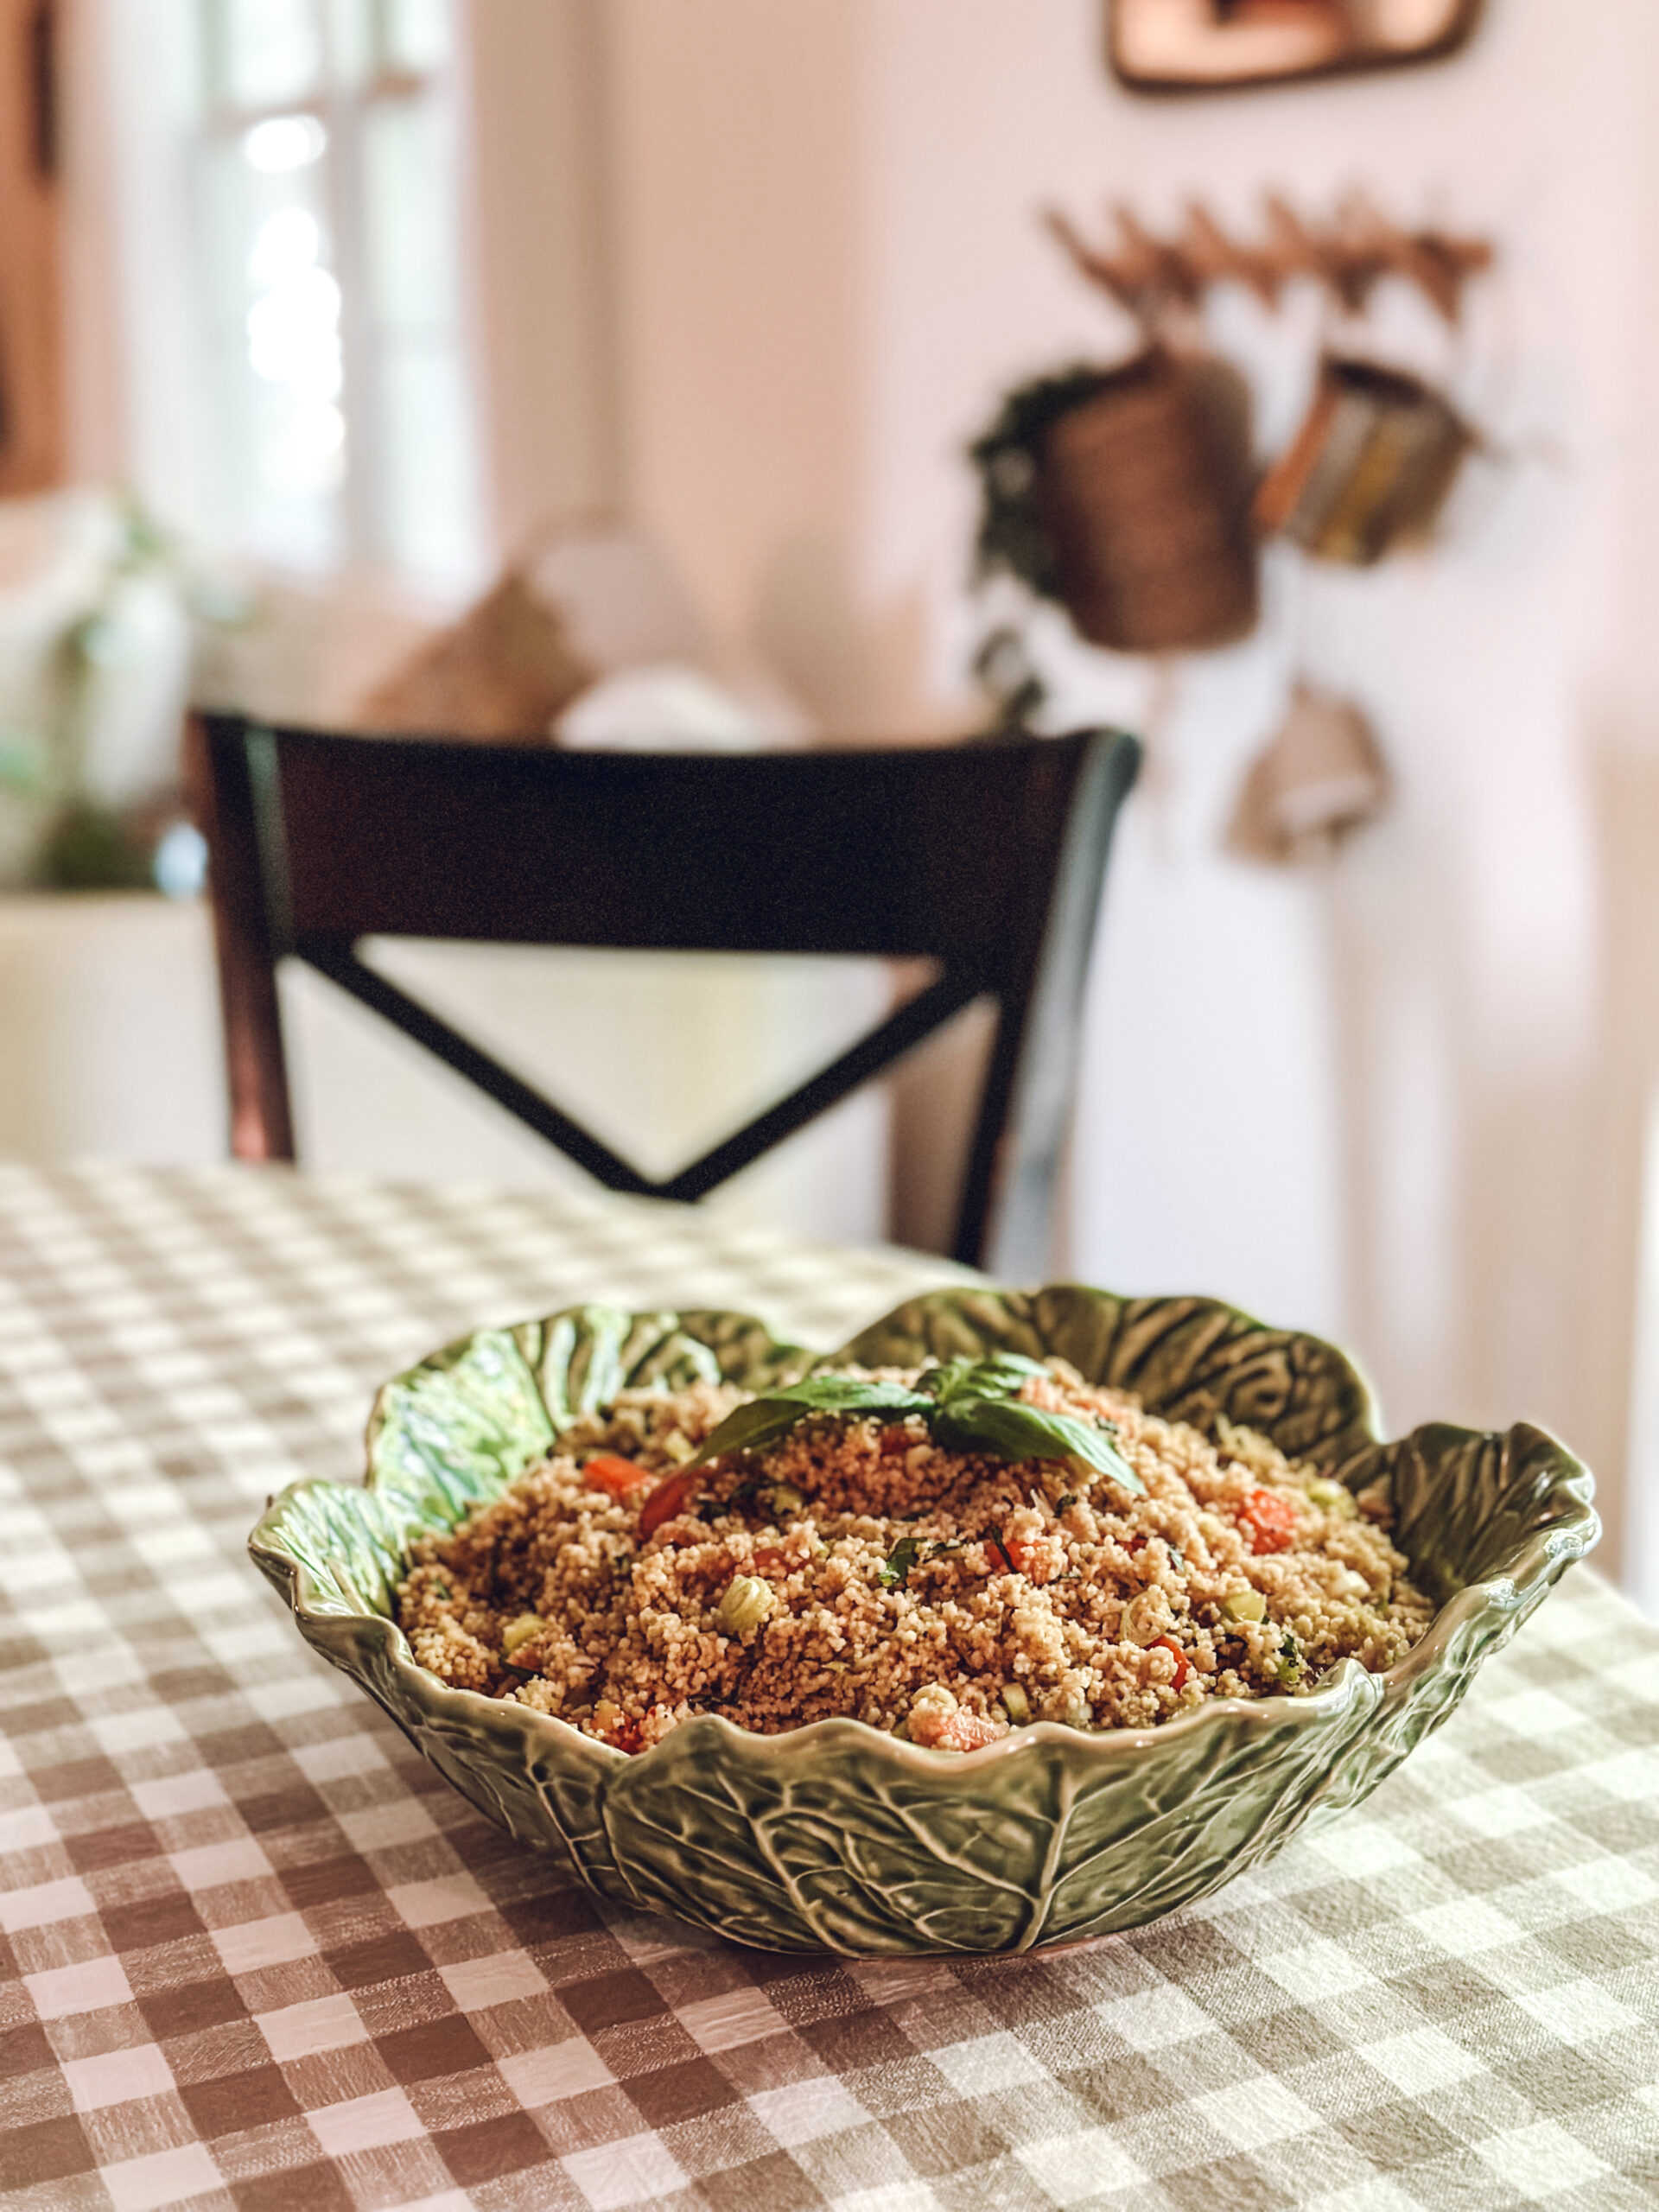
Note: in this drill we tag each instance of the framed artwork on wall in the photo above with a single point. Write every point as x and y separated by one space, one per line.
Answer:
1189 45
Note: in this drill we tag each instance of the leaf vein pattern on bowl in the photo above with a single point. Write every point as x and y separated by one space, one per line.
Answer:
839 1838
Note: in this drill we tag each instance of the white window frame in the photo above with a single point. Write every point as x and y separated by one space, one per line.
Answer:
346 114
536 244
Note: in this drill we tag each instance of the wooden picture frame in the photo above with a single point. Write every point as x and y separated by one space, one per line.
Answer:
31 347
1192 45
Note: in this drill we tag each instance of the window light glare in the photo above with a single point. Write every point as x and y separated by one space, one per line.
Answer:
285 246
283 141
180 866
317 430
294 335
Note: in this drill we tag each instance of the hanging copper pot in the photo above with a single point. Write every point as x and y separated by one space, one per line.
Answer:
1370 467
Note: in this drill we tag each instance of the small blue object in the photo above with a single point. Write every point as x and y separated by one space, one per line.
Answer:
181 862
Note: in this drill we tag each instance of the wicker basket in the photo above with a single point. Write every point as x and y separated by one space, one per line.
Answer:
1143 493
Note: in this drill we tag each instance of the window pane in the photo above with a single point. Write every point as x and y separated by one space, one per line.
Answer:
409 176
431 518
353 126
352 40
273 312
267 50
416 33
424 472
376 38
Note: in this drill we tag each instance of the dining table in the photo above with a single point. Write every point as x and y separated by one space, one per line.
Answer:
257 1955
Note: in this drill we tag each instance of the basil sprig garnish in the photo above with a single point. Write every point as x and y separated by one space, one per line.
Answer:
768 1418
969 1405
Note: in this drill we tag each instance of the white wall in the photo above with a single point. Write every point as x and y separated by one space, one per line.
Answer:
1400 1100
538 188
737 129
1405 1100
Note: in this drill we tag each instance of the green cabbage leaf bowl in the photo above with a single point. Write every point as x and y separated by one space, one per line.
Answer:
837 1837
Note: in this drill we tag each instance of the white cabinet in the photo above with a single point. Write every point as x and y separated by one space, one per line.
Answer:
108 1030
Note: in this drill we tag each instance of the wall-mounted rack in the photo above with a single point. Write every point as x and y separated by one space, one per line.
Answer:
1350 255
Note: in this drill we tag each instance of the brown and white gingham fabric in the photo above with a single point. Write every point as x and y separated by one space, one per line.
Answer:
256 1954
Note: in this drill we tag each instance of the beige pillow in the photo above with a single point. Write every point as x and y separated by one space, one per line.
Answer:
506 669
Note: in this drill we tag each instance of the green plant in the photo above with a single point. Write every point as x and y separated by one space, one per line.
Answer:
1008 456
87 844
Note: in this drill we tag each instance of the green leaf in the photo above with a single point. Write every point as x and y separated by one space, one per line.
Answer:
1009 1430
1002 1375
899 1562
968 1405
946 1380
767 1420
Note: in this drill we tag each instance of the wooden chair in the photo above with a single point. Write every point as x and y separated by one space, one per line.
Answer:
985 858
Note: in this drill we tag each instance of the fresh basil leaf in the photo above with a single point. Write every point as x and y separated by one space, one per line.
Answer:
1010 1430
767 1420
898 1563
748 1428
843 1393
1004 1376
1012 1363
944 1381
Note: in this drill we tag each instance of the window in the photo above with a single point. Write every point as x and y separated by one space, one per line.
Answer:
325 184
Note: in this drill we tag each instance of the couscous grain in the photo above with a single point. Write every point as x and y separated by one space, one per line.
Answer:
855 1567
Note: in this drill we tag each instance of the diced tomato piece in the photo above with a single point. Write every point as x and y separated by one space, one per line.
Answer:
1028 1555
894 1441
1135 1543
1182 1665
669 1499
616 1476
1269 1518
966 1731
625 1737
951 1731
768 1559
999 1560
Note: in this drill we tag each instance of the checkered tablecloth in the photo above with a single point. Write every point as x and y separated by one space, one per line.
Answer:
256 1954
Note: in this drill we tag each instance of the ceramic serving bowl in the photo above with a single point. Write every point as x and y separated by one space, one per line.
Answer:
839 1838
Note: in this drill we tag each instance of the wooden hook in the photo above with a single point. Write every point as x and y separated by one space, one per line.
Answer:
1211 256
1098 270
1350 255
1161 270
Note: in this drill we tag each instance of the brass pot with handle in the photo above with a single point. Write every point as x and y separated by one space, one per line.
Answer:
1370 468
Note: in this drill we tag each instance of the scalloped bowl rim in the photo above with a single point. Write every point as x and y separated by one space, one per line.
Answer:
1349 1684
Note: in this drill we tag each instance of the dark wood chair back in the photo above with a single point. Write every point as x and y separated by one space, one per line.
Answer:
985 859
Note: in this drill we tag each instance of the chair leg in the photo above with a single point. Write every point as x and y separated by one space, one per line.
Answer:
261 1125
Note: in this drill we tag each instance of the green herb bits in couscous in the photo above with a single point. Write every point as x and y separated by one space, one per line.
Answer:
946 1553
